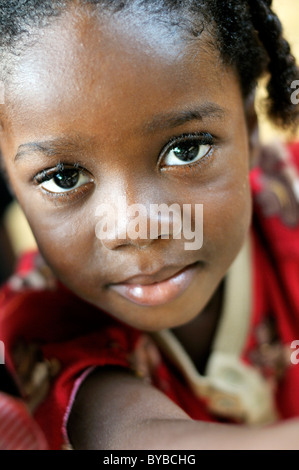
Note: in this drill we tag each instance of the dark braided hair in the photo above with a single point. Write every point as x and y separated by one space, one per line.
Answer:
282 67
248 36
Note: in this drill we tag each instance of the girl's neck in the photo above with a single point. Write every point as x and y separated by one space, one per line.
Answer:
197 336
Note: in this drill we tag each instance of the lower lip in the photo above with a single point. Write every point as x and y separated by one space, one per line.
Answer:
158 293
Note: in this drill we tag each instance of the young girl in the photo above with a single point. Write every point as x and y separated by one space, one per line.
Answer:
123 341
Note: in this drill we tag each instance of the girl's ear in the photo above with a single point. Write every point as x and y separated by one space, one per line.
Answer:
253 130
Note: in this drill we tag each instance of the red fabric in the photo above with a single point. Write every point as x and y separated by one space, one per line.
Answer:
18 431
81 336
276 278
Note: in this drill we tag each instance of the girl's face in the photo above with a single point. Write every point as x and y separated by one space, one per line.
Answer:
128 108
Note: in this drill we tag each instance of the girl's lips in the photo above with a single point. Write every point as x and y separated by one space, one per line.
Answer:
157 293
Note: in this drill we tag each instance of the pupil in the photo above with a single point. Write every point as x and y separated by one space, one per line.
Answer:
186 152
67 179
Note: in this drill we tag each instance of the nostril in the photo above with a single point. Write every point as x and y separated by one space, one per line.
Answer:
137 225
125 243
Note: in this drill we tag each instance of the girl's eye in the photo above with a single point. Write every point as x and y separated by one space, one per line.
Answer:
66 180
60 181
187 151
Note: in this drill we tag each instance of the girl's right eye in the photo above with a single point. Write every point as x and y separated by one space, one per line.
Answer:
63 181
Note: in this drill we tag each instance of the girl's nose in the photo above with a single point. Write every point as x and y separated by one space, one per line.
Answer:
136 225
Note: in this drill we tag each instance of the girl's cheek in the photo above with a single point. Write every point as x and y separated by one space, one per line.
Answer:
61 237
227 212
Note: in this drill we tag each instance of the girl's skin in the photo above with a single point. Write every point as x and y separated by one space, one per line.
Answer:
109 95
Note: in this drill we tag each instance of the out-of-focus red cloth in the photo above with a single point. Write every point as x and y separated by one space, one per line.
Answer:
18 430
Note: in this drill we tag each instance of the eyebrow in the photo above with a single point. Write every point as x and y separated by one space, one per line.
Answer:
176 119
56 147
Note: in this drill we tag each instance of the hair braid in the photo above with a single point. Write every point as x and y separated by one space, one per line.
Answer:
281 66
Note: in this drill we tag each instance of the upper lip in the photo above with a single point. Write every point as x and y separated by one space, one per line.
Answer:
160 275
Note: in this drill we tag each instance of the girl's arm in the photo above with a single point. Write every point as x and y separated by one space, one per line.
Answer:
114 410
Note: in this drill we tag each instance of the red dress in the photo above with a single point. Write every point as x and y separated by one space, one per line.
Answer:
53 339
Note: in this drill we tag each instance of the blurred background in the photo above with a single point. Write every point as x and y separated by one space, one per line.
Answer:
288 13
15 235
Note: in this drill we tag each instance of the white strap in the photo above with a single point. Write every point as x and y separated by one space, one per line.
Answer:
237 305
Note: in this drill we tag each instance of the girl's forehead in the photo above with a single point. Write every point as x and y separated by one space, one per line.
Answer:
77 36
82 64
78 45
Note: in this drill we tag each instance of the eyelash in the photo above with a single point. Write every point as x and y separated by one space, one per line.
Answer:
49 173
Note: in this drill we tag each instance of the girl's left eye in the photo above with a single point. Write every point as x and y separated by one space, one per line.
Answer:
63 180
187 152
